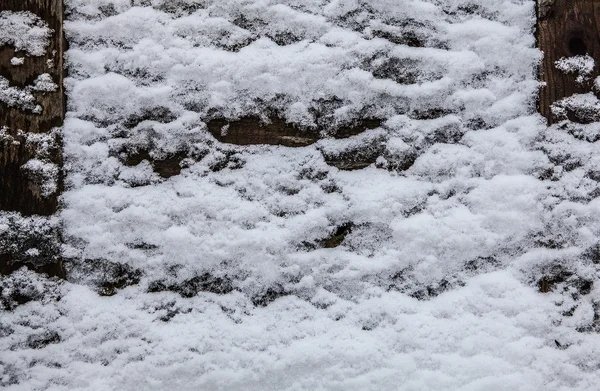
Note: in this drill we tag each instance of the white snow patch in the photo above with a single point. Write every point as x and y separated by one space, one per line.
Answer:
22 98
18 97
16 61
582 65
25 32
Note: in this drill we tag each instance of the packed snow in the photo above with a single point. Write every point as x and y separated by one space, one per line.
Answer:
464 257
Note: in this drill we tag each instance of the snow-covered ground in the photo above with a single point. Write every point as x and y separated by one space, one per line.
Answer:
465 257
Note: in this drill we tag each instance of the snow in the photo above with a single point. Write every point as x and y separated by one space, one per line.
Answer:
44 173
582 65
25 31
16 61
21 98
224 276
585 106
44 83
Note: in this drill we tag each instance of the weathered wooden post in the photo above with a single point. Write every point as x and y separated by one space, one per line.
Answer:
30 143
566 28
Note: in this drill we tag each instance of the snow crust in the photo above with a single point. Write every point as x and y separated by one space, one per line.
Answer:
223 280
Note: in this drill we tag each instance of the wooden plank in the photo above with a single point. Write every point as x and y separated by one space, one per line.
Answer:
566 28
20 192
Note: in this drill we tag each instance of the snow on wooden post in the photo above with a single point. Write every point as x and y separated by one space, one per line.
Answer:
565 29
32 107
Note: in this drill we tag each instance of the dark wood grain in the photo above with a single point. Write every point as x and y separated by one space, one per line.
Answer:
566 28
251 130
19 192
276 131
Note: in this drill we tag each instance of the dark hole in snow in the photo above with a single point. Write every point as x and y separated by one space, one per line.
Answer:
357 128
108 10
6 330
593 175
429 113
26 243
404 281
574 284
270 295
141 245
593 253
228 160
585 133
432 290
330 187
180 7
312 174
584 286
40 341
191 287
10 376
477 123
166 167
14 299
355 156
170 310
50 266
577 46
562 158
570 312
157 114
547 283
283 38
560 345
482 264
337 237
583 115
24 286
449 134
399 160
416 209
409 32
107 277
400 70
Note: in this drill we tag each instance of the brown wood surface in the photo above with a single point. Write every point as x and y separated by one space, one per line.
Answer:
566 28
18 192
276 131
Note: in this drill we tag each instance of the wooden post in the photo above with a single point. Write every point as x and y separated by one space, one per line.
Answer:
20 192
566 28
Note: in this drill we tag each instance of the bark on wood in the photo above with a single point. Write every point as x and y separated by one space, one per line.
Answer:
566 28
19 192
